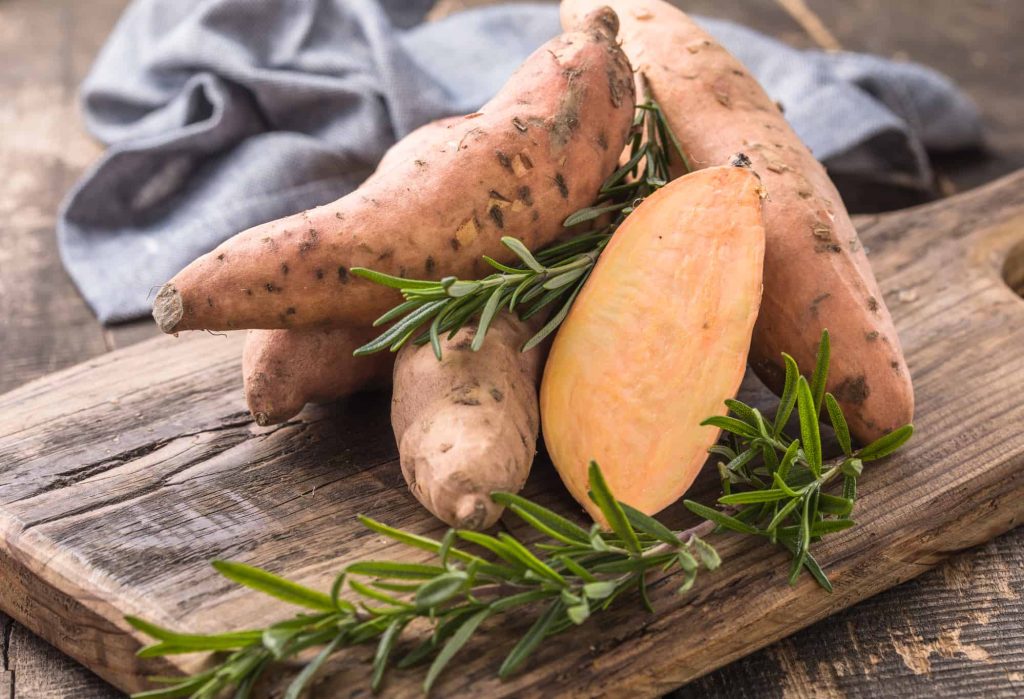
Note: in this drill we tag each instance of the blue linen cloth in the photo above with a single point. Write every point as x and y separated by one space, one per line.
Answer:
223 114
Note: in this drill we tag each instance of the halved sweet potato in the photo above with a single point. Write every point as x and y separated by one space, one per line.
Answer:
657 340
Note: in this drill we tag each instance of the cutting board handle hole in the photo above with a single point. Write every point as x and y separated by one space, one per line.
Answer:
1013 269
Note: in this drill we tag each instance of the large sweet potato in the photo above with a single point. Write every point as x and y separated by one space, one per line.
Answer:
816 273
534 154
467 425
657 340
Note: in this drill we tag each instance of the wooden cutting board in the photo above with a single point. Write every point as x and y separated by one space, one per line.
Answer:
122 477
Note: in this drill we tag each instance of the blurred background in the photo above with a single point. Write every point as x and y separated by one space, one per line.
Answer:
954 631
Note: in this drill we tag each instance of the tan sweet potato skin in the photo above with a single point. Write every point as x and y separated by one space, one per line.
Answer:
816 273
467 426
285 369
534 154
657 340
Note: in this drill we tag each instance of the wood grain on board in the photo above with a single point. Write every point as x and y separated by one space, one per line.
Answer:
123 476
47 46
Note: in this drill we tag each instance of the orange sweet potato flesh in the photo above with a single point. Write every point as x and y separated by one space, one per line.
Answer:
533 155
816 273
657 340
285 369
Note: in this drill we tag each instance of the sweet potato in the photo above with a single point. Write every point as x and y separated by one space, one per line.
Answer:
534 154
285 369
467 425
816 272
657 340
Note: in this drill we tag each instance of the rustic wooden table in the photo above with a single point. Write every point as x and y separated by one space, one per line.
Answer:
954 631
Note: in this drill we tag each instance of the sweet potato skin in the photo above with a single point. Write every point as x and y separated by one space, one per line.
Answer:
285 369
657 340
467 426
816 272
534 154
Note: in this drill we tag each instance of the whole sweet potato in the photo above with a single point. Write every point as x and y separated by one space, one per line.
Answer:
657 340
285 369
467 425
534 154
816 273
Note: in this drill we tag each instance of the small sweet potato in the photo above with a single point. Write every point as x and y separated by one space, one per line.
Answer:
285 369
534 154
467 425
657 340
816 273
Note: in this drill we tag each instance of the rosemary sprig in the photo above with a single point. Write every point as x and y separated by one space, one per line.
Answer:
774 484
773 488
550 277
575 573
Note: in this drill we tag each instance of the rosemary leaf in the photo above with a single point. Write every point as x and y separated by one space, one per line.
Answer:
275 586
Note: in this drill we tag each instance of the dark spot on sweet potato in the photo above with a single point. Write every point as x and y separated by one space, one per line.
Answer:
220 257
311 241
504 160
385 255
466 400
828 247
284 268
337 215
271 288
248 292
563 188
602 141
209 302
526 195
495 213
896 367
463 344
518 123
319 273
871 336
497 395
872 304
454 242
853 390
445 447
420 163
535 216
290 311
343 274
429 265
816 301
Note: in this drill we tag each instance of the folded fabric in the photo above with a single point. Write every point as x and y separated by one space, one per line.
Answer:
222 114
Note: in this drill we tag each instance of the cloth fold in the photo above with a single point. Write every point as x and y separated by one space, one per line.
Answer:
223 114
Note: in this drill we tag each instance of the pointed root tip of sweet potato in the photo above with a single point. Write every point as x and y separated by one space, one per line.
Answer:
604 20
168 308
473 511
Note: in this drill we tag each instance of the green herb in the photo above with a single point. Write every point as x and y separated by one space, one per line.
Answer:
544 280
573 574
774 484
773 488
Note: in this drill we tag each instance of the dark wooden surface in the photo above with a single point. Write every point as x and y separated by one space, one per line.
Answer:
951 632
121 477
